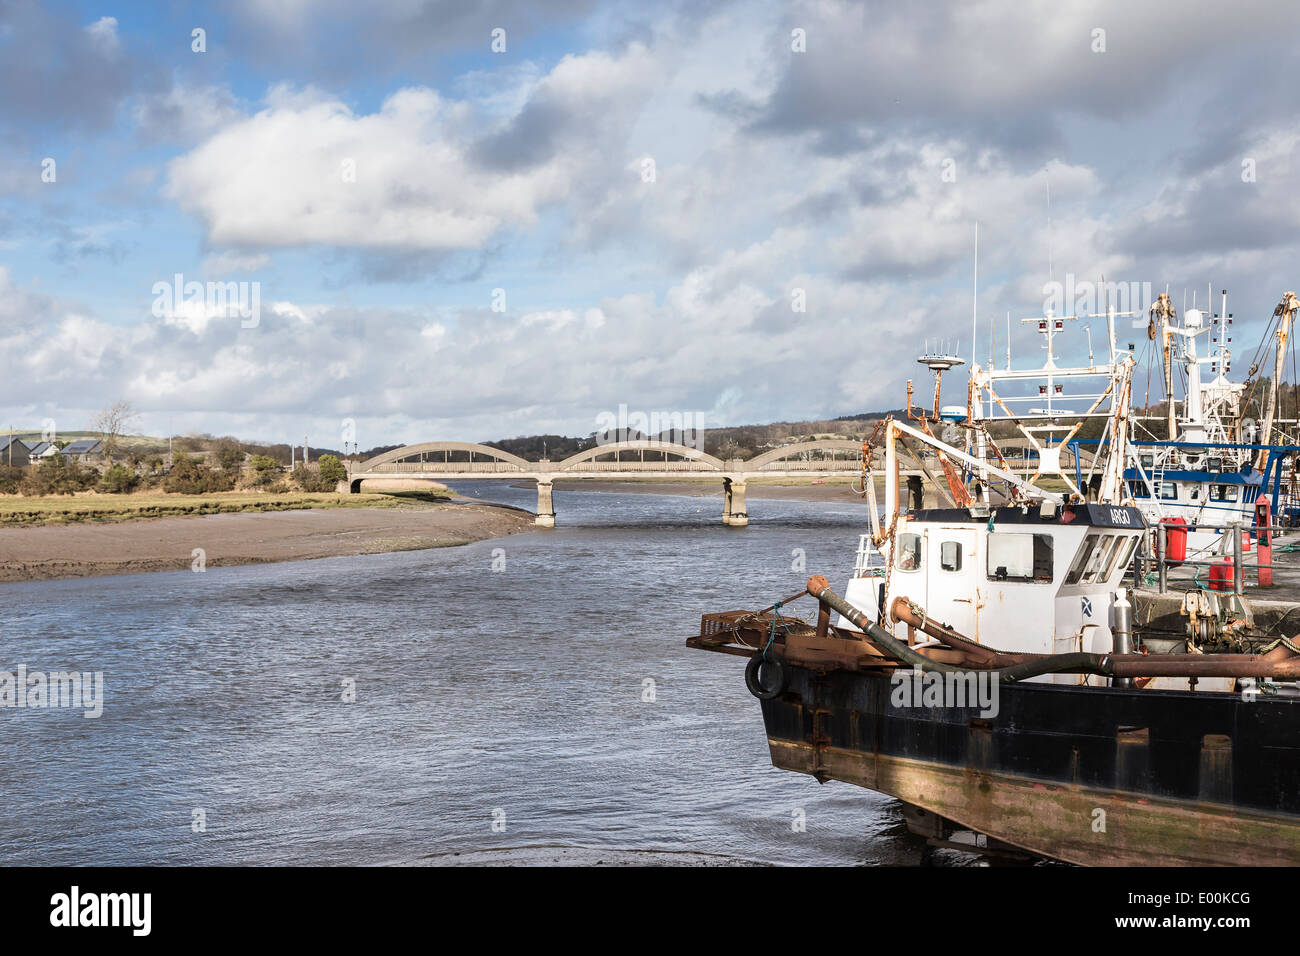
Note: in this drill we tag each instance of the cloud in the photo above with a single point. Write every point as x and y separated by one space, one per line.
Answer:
1006 71
337 39
852 174
103 36
229 262
418 373
56 73
1247 202
185 114
308 171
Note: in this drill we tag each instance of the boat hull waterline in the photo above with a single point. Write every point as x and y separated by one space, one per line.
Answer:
1091 776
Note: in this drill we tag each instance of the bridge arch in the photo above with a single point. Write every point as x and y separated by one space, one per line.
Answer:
408 451
670 448
759 462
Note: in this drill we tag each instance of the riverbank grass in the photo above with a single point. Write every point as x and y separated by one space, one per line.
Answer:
17 510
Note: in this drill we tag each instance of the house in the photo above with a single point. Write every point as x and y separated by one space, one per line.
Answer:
43 449
83 450
13 452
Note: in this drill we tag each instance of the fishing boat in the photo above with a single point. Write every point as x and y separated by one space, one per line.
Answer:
1207 476
983 666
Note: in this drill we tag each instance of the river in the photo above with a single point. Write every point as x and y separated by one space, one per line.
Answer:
511 697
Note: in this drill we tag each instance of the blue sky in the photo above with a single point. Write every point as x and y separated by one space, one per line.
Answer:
849 165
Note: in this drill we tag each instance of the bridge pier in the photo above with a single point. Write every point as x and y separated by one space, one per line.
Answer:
545 507
734 514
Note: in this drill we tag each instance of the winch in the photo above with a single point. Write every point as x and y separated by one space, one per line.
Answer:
1216 618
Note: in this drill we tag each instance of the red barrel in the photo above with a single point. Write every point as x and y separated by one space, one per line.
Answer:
1175 539
1221 575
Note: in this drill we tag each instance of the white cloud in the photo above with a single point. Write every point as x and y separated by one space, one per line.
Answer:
229 262
103 34
307 170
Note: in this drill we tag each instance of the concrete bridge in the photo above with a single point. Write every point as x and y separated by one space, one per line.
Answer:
463 461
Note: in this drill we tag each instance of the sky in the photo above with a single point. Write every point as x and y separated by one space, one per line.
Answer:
457 221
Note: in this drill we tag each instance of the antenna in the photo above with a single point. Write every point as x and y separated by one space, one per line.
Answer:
993 340
975 292
1008 340
1110 319
1049 228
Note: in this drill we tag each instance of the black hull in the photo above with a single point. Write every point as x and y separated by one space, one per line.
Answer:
1083 775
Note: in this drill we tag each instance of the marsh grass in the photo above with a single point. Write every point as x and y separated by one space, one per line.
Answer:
17 510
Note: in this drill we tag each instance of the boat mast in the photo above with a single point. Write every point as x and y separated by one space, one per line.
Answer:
1285 311
1110 320
1193 412
1164 311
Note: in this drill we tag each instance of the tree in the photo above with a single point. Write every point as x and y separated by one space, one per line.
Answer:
190 477
58 476
331 470
118 480
229 455
266 468
11 478
112 423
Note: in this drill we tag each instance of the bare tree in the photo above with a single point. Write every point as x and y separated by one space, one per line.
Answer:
112 423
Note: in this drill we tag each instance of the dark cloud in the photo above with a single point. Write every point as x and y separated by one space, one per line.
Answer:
1012 75
731 104
1220 216
325 41
1245 98
530 139
397 266
57 72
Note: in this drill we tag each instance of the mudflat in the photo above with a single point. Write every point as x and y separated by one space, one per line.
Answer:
168 544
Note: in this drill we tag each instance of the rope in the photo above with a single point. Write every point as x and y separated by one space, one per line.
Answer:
734 629
771 632
1284 641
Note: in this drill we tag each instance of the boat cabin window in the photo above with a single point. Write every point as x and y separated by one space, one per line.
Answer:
1110 555
1223 492
1148 462
1081 562
1020 557
1214 464
1196 493
1168 490
909 552
950 555
1097 559
1125 555
1138 489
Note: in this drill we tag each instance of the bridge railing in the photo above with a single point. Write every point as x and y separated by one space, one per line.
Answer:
694 467
434 467
824 464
